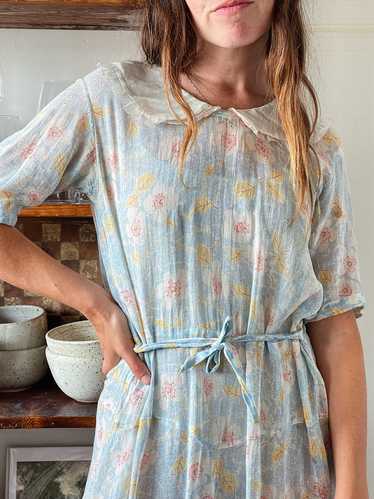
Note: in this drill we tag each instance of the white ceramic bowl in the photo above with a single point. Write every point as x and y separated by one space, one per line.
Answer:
78 377
20 369
22 327
76 339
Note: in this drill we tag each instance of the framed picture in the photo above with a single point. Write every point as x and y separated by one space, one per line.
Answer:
47 472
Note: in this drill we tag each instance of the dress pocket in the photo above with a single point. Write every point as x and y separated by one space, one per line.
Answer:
115 368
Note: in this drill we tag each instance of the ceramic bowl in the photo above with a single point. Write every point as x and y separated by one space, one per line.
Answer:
20 369
22 327
75 339
78 377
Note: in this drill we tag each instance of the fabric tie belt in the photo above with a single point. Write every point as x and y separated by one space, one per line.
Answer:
212 353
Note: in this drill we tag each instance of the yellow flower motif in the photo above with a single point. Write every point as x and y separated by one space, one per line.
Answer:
206 325
275 191
228 482
136 256
108 223
217 467
6 198
244 189
179 465
170 222
141 423
252 311
306 415
232 390
203 254
325 276
132 129
184 437
281 395
160 323
144 182
203 204
278 453
132 199
331 138
236 255
97 111
317 449
277 175
279 254
241 290
83 123
337 209
209 169
60 163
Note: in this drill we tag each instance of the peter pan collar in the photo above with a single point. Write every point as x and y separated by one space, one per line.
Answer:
143 85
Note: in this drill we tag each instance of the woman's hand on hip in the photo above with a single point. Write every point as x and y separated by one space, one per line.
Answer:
116 340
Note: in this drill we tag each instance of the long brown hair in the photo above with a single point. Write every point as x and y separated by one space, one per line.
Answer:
169 40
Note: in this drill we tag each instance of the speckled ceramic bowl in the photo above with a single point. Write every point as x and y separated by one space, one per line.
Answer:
76 339
20 369
22 327
78 377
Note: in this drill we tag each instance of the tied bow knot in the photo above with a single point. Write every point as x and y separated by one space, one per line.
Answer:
213 356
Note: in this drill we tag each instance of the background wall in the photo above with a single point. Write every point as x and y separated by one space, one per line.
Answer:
342 69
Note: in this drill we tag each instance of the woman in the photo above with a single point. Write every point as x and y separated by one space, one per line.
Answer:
228 255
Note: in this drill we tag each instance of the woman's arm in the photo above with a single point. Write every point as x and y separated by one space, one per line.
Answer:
25 265
337 344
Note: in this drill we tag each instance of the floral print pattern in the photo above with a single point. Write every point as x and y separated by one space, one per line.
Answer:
181 253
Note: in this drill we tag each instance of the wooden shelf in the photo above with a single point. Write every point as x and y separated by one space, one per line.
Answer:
71 14
57 210
44 405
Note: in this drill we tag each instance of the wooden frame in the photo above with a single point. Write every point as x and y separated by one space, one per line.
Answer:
64 454
71 14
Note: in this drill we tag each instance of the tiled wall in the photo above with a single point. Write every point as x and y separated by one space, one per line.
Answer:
71 241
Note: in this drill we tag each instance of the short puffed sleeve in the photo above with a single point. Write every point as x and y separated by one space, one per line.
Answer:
333 244
53 152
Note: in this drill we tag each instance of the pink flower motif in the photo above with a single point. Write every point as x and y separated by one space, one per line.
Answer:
91 156
345 290
34 197
241 227
137 396
228 140
136 228
262 148
195 471
146 459
100 434
260 263
113 160
217 286
350 263
207 497
326 235
228 437
122 458
207 387
168 391
175 148
54 132
320 491
128 296
28 150
159 200
173 288
287 375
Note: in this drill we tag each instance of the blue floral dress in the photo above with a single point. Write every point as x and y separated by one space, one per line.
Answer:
216 284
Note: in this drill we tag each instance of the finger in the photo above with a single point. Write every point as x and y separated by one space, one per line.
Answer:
137 366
